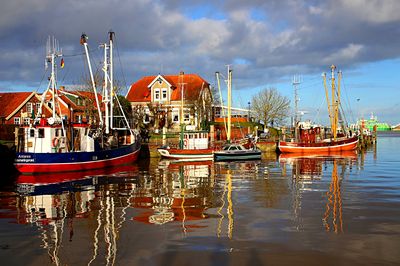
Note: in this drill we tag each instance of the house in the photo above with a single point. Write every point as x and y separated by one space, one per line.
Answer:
171 100
19 107
75 106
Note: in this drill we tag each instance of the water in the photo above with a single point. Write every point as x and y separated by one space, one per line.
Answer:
342 210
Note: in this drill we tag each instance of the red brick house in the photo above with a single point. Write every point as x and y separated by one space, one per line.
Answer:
19 108
159 98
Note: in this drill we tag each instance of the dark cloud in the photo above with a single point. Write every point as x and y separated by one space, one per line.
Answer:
265 40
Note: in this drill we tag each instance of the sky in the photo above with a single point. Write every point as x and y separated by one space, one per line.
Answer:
265 42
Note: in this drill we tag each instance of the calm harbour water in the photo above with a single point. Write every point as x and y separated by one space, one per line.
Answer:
341 210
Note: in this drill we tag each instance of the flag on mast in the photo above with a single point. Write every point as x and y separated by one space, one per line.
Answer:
62 63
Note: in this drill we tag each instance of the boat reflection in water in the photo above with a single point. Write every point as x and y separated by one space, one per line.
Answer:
55 202
94 205
307 169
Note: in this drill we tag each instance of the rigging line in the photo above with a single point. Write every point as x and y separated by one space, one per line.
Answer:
348 101
41 81
72 55
120 62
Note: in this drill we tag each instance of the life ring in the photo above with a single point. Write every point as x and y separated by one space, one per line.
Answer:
55 142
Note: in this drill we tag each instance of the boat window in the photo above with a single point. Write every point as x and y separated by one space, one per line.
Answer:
32 133
225 148
232 148
41 133
239 148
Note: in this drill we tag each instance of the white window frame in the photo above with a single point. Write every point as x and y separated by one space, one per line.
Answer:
37 107
17 120
186 118
29 107
146 115
164 91
175 113
27 121
157 95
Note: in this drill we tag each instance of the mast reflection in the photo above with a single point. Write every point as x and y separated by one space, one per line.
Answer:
309 169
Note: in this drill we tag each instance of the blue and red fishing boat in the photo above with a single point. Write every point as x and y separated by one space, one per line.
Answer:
55 144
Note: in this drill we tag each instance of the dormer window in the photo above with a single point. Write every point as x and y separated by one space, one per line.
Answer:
159 80
157 94
164 94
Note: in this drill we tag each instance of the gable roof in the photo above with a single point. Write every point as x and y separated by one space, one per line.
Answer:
193 85
11 102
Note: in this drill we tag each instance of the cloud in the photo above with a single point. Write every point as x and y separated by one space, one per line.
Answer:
267 39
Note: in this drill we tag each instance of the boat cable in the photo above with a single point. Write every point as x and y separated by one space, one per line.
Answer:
125 84
348 101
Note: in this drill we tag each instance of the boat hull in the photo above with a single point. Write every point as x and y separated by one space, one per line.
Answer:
26 162
236 156
187 154
347 144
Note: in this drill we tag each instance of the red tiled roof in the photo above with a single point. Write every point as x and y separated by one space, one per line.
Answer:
193 84
9 101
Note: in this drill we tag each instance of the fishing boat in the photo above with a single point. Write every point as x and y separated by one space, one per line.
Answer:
315 139
234 151
54 144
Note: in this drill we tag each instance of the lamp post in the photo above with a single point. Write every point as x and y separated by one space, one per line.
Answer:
249 113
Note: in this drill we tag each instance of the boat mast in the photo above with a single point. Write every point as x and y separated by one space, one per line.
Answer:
220 99
106 93
181 114
228 138
111 36
84 43
333 103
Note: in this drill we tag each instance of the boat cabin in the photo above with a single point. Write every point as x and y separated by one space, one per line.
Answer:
48 137
195 140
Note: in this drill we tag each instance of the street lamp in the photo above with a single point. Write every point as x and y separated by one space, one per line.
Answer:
249 112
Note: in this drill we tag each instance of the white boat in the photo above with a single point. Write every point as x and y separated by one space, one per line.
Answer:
234 151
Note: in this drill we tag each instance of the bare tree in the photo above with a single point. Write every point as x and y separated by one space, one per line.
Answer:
270 106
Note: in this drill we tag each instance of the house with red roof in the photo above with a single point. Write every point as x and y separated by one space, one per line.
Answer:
169 100
18 107
75 106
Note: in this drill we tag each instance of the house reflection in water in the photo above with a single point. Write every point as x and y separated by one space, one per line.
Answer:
181 192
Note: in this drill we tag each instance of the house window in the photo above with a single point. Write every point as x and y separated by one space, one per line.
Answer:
175 115
31 133
17 120
146 118
157 94
29 108
27 120
186 118
37 106
164 94
41 132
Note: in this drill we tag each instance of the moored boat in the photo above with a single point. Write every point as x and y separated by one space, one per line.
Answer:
326 146
54 144
314 139
233 151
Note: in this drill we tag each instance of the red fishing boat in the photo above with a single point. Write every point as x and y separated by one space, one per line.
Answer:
314 139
